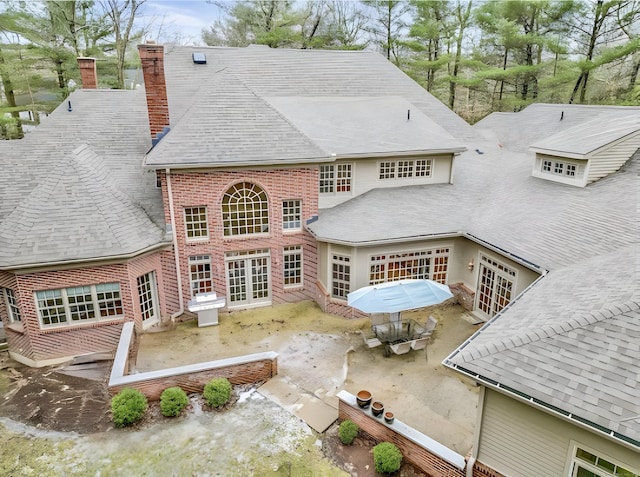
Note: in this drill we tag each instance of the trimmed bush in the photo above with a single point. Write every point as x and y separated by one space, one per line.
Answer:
128 407
387 457
173 401
348 431
217 392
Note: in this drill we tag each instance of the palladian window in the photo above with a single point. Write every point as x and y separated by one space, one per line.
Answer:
245 210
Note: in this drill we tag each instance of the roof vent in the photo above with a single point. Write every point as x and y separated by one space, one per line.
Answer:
199 58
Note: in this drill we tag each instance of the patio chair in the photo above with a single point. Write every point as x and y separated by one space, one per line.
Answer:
429 328
401 348
370 342
420 343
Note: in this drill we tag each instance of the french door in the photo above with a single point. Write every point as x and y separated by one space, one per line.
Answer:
248 278
495 286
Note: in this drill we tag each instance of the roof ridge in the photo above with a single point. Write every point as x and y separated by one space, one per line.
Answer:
284 118
548 331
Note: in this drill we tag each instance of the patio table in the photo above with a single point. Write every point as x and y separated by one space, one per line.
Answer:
396 332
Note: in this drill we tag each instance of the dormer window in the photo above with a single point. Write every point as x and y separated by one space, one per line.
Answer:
565 170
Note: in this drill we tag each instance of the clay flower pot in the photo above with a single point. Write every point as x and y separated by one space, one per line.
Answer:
363 398
377 408
388 417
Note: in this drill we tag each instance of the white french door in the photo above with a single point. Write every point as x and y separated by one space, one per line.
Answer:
495 286
248 278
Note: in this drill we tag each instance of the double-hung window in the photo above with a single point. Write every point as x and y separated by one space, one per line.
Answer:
292 259
291 215
195 219
335 178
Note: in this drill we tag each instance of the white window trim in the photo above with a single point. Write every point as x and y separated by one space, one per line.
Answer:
573 460
335 261
393 169
334 179
10 306
423 253
297 228
200 238
152 320
296 251
197 260
231 225
67 310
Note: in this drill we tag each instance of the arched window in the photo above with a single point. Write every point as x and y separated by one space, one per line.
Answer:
245 210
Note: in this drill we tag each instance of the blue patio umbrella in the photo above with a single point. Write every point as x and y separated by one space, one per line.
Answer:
397 296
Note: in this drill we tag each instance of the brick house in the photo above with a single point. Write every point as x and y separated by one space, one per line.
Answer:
272 176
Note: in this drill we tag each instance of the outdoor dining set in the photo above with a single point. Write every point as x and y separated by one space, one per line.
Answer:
399 336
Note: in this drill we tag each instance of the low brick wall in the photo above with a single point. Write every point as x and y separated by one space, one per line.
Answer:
423 452
429 456
464 296
248 369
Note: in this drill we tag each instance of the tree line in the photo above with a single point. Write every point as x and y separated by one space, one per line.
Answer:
476 56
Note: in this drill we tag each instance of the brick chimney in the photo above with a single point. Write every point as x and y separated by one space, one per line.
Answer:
88 73
152 59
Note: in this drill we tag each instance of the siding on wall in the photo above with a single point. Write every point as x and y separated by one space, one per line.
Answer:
366 176
612 158
521 441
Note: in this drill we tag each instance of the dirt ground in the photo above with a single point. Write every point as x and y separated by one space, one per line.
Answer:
321 353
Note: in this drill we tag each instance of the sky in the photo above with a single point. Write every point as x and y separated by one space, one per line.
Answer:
186 18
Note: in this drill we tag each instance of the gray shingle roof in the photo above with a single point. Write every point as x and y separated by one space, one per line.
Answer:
237 82
572 341
587 138
494 198
74 189
539 121
364 125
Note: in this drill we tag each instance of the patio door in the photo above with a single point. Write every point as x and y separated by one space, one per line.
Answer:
248 278
495 286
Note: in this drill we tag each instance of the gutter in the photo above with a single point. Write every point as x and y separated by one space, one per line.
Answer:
28 268
522 261
410 238
305 161
574 419
527 399
176 254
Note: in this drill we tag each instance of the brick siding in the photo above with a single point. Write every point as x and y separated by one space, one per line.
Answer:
247 373
191 189
37 344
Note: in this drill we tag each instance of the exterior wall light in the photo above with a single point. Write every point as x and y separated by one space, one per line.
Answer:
470 265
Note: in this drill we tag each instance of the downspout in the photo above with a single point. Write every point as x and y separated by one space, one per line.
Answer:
176 254
476 434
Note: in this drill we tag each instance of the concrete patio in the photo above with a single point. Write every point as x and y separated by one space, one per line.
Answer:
321 354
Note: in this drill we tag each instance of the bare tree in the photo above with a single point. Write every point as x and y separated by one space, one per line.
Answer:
122 14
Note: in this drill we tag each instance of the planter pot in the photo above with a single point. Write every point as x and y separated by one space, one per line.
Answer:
377 408
364 399
388 417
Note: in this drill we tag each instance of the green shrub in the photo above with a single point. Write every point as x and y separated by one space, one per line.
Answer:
173 401
128 407
348 431
387 458
217 392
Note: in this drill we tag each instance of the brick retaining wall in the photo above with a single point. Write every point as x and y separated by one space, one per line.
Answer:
429 456
248 369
